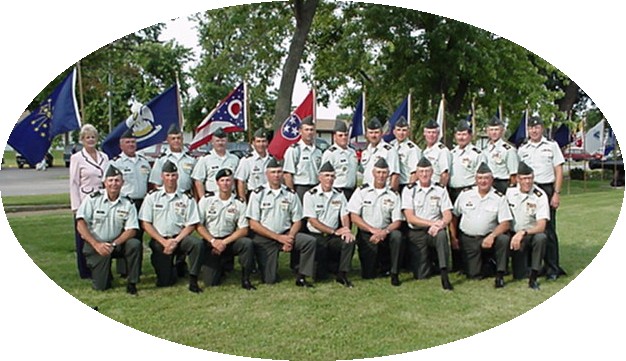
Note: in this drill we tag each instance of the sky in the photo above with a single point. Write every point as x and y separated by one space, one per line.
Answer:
582 321
181 30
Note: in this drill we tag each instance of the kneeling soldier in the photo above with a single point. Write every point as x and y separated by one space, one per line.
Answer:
223 224
170 217
108 223
325 207
531 213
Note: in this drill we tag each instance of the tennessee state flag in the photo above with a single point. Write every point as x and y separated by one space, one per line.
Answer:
289 131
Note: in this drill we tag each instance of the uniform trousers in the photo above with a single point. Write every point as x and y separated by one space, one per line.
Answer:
100 266
121 263
83 269
372 255
332 255
420 245
212 268
551 257
474 254
533 246
164 263
295 256
457 254
266 252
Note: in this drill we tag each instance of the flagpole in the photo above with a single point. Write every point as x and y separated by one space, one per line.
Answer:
585 152
246 109
443 116
473 118
364 113
80 91
569 161
181 120
408 114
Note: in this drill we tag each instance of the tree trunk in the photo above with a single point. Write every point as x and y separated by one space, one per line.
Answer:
570 98
304 11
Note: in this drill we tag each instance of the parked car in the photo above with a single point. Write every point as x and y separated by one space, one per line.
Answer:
240 149
579 154
69 150
21 161
322 144
611 163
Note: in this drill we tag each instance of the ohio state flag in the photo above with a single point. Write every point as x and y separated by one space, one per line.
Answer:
289 131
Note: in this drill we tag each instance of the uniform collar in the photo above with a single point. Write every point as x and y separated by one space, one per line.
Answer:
435 145
541 141
256 155
304 145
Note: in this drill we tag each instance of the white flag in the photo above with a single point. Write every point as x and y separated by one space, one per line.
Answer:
594 139
440 118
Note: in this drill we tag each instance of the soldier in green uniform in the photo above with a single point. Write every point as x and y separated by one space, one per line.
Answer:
343 159
329 222
484 222
302 160
275 213
377 149
250 172
501 156
545 158
408 152
437 153
531 212
224 226
170 216
108 222
426 207
219 157
375 209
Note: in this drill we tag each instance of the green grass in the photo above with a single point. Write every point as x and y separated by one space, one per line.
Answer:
9 159
32 200
327 322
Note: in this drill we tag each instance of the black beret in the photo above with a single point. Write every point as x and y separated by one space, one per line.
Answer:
308 120
220 133
340 126
174 129
524 169
169 167
128 134
113 172
224 172
483 168
431 124
273 163
462 126
381 163
327 167
424 163
534 121
401 123
260 133
374 123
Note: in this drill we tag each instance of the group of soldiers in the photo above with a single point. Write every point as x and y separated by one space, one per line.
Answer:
431 211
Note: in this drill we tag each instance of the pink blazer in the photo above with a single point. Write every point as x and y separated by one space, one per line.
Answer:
85 175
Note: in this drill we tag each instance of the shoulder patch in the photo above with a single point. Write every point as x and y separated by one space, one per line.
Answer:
294 145
498 193
411 185
332 148
130 199
188 194
512 185
387 146
259 189
312 190
209 194
410 145
240 200
475 149
290 190
249 155
162 155
140 156
439 185
116 158
95 194
506 145
153 190
538 192
441 146
364 185
466 189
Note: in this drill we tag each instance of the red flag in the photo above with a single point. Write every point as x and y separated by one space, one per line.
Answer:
229 114
289 131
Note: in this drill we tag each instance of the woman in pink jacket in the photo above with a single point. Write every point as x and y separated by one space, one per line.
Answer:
87 167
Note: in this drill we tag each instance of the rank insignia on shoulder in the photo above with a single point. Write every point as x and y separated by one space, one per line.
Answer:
153 190
538 192
498 193
364 185
411 185
209 194
130 199
441 146
410 145
313 190
258 189
506 145
95 194
387 146
188 194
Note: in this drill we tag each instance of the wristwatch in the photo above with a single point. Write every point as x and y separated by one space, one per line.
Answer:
113 244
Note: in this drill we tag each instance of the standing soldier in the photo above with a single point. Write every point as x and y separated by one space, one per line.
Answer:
377 149
465 160
275 213
207 167
427 208
375 209
437 153
250 172
108 222
329 222
343 159
170 216
531 212
135 169
545 158
501 156
175 154
484 222
224 226
408 152
302 160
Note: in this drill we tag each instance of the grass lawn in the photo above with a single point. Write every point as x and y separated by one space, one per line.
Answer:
9 159
327 322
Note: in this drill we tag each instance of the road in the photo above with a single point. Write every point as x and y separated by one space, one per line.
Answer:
26 181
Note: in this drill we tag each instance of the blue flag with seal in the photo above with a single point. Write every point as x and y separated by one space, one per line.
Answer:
520 135
358 118
57 114
149 122
401 111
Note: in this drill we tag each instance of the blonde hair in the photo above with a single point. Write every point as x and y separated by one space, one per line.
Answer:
88 129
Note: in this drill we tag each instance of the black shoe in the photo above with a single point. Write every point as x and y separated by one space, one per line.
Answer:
445 283
552 277
301 282
499 282
246 285
131 289
395 281
344 281
533 284
384 274
193 287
